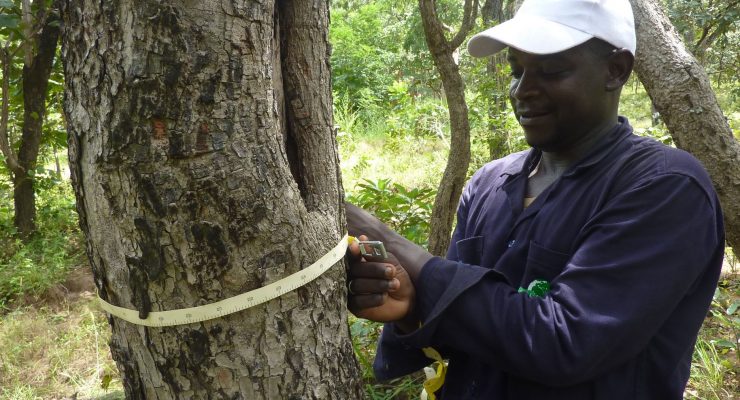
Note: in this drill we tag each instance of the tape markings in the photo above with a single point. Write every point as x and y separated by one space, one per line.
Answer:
232 304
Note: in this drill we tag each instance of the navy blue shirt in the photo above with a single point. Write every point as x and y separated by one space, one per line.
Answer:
630 239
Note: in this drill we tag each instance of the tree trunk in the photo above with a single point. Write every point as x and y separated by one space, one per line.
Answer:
35 85
204 165
680 89
453 178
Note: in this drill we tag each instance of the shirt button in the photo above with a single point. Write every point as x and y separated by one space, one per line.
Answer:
511 243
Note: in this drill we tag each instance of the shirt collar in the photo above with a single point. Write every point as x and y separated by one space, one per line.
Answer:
621 131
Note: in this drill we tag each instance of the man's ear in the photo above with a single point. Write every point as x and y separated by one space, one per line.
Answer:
620 65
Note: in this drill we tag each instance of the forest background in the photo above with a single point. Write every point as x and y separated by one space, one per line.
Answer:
393 131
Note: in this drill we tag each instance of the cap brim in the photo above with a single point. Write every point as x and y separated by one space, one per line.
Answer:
527 33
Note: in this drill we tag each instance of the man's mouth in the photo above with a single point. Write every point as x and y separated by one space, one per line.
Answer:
532 117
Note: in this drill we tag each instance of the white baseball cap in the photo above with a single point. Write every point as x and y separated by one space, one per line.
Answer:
551 26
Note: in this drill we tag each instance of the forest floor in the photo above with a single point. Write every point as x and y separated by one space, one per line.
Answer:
55 345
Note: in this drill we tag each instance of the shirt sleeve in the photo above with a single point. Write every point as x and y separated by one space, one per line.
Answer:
635 261
394 357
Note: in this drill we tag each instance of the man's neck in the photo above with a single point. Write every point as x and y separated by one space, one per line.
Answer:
556 162
553 164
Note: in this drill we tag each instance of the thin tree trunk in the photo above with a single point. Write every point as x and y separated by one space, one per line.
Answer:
35 84
453 178
681 91
204 165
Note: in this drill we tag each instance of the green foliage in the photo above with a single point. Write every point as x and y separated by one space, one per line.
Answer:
365 335
407 211
409 116
362 52
10 17
724 311
45 260
711 31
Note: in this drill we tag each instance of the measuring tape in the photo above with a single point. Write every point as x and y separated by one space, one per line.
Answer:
232 304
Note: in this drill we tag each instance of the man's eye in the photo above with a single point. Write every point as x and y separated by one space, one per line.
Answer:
553 71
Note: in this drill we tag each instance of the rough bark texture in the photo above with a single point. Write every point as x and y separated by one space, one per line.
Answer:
680 89
453 178
204 166
35 84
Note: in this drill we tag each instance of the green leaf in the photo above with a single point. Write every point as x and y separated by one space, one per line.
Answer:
733 307
9 21
6 4
724 343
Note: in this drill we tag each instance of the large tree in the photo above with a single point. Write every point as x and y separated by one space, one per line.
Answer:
204 165
681 91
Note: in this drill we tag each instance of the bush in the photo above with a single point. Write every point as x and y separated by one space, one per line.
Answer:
407 211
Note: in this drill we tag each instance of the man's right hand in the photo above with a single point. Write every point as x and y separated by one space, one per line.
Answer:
378 289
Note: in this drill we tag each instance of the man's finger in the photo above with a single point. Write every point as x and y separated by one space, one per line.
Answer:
371 270
372 286
360 302
353 251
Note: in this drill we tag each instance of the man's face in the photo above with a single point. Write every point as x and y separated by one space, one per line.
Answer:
559 98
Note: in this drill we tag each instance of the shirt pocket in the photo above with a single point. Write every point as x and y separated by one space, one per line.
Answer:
469 250
543 263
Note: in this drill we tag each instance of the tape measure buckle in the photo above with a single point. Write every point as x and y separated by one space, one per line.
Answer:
377 249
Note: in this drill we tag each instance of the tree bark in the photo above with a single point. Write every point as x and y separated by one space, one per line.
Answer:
681 91
453 178
204 165
36 72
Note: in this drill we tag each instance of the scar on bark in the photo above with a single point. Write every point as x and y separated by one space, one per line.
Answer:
159 129
201 140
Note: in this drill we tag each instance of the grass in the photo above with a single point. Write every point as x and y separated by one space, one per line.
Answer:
716 361
56 351
366 152
709 369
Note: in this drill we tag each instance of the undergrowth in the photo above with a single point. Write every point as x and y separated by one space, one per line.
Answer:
31 268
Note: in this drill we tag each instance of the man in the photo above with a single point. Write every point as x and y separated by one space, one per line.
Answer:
618 238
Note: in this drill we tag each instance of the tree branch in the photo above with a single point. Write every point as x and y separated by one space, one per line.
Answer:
432 24
716 22
27 33
471 12
5 146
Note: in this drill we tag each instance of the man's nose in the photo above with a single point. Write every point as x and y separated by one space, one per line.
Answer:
524 87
